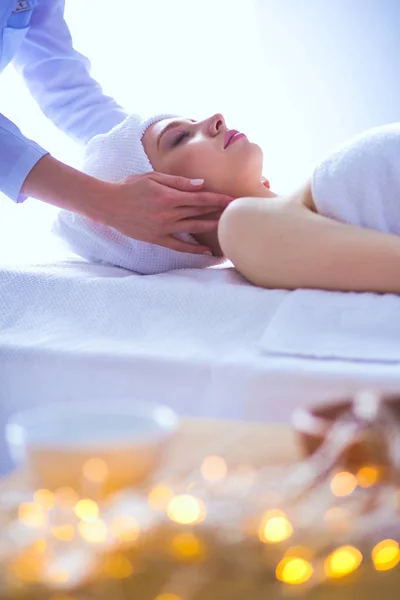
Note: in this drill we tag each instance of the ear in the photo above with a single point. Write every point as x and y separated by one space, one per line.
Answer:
265 182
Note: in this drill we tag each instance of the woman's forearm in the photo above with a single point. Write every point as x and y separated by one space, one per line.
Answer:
282 244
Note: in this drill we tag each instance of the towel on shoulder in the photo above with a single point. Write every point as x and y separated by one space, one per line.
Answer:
359 182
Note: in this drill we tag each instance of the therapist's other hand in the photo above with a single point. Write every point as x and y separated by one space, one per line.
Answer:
153 207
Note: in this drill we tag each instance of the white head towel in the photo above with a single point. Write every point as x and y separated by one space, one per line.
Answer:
112 157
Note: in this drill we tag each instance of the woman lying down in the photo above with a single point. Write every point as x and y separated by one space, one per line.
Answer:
338 231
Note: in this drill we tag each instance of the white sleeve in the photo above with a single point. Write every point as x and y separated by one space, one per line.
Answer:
58 77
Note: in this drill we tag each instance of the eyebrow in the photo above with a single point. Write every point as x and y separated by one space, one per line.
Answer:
170 126
167 128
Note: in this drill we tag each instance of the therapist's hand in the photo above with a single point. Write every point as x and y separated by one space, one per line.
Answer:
155 206
151 207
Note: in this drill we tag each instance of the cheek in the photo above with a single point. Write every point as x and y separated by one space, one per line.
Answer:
192 160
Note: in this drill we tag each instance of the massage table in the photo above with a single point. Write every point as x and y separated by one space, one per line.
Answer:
196 340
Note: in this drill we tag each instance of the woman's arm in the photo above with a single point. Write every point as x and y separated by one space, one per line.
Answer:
282 244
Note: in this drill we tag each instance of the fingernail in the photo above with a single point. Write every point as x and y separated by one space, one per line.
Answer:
208 252
196 181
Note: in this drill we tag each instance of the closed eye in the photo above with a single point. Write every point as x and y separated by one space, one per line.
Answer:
178 139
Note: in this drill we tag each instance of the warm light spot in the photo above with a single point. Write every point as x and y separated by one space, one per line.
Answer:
214 468
45 498
27 568
62 597
118 566
64 533
39 546
32 515
187 546
87 510
168 597
66 496
160 497
386 555
343 483
95 470
125 528
186 509
367 476
342 561
294 570
93 532
275 527
57 575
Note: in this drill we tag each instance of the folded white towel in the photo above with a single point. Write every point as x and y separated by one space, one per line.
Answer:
359 182
335 325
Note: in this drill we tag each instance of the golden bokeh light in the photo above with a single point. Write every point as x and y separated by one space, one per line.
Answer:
44 498
386 555
187 546
63 533
27 568
66 497
168 597
39 546
125 528
342 562
87 510
367 476
94 532
214 468
31 514
96 470
56 575
160 497
294 570
343 484
186 509
117 566
275 527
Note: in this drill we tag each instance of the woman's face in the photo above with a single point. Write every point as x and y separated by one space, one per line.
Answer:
227 161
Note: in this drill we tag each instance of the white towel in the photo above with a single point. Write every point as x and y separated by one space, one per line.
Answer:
335 325
359 182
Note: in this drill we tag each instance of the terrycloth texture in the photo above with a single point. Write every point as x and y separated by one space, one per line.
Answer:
359 183
112 157
335 325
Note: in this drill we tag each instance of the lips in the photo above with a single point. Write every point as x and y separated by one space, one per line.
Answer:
231 136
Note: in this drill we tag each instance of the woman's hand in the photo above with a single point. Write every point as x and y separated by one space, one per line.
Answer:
150 207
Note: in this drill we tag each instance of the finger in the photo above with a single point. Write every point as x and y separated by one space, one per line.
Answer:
196 211
177 182
180 246
205 199
195 226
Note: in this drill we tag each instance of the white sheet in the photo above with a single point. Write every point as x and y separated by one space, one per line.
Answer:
190 338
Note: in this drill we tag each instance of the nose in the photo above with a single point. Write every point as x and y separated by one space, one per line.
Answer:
215 124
